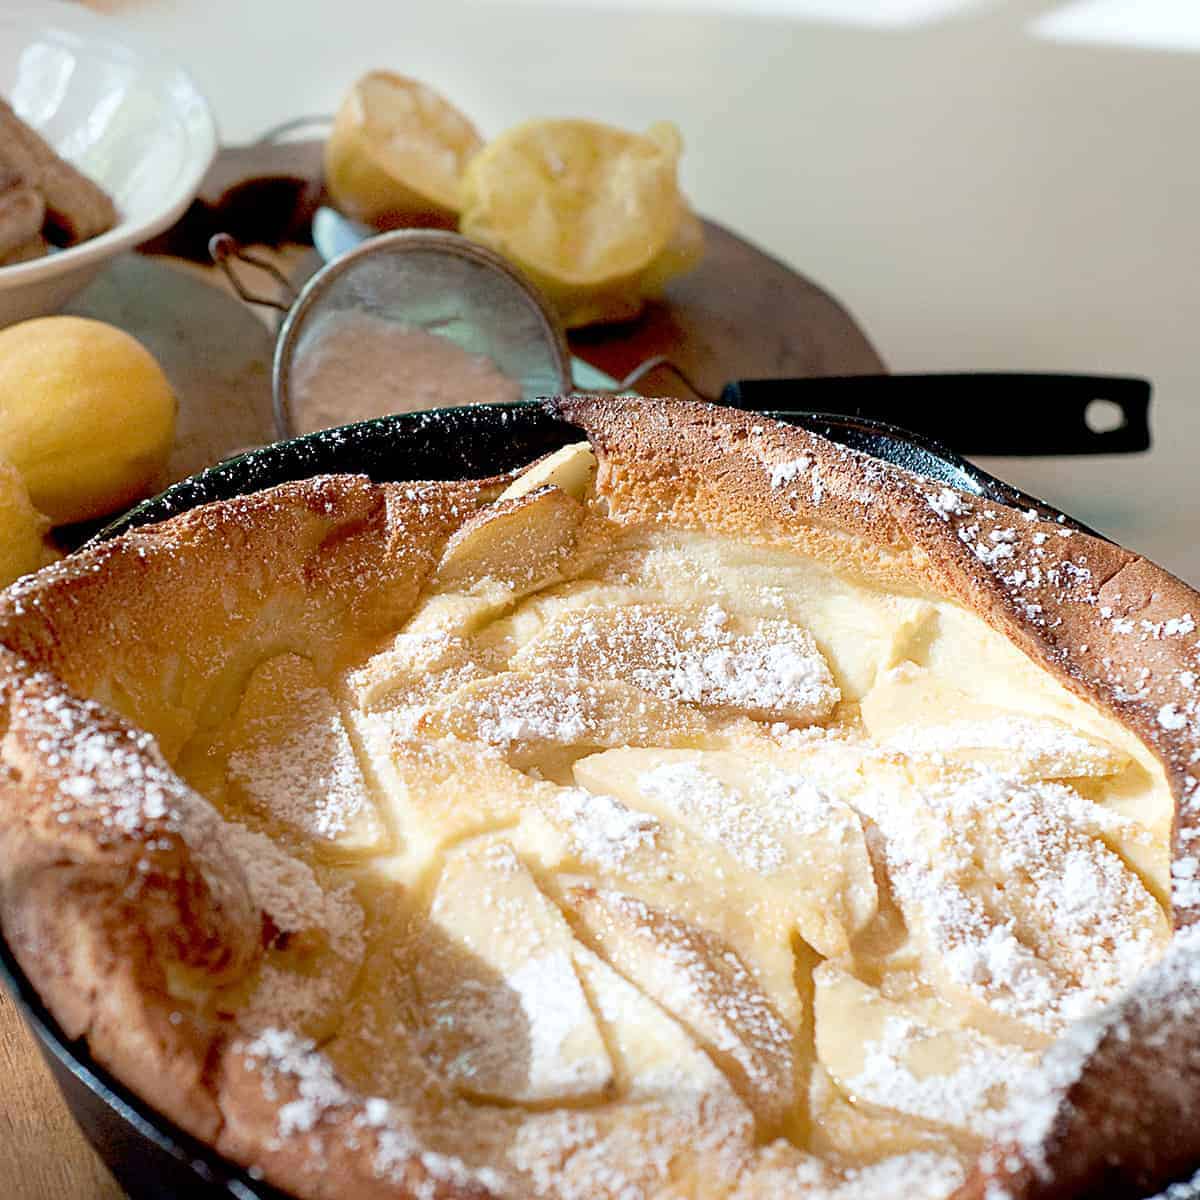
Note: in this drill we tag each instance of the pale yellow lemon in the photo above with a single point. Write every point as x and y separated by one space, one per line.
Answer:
21 527
591 213
396 153
86 415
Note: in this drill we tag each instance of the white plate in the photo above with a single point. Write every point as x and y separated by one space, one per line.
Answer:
111 104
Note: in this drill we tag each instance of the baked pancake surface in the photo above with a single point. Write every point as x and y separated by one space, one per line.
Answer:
741 818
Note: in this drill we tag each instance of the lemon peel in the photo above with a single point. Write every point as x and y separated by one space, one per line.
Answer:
396 152
86 415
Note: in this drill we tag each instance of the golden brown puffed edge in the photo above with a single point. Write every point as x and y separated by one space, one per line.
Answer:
99 901
1095 615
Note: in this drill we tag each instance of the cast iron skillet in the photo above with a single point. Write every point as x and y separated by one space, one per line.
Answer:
149 1156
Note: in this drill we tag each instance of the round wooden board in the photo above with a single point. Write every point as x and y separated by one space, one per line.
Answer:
741 314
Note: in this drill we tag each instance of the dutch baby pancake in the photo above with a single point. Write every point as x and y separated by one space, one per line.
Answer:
705 811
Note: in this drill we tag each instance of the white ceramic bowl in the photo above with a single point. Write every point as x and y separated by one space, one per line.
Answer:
119 111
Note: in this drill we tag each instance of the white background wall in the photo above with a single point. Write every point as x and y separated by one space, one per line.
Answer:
978 195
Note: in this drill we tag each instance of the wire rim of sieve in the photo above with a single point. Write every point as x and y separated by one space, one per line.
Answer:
396 245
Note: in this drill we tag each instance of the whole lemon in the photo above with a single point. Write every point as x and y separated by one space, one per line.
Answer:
21 527
86 415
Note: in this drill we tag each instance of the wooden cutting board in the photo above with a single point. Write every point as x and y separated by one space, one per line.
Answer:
740 315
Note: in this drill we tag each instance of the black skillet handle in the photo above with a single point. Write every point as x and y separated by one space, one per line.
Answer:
974 413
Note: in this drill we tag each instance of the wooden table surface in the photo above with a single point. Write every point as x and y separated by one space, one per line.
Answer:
741 314
44 1155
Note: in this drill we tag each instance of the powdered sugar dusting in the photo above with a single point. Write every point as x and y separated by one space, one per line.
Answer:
973 1093
532 711
322 1103
772 668
604 831
726 818
1161 1012
279 1052
513 710
548 989
1071 924
786 473
296 761
916 1175
286 890
112 775
1036 746
946 503
1185 1190
913 1176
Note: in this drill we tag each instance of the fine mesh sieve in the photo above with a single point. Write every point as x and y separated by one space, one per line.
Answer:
388 299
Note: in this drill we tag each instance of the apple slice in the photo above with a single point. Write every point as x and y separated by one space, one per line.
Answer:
701 981
769 669
290 758
679 1129
506 1016
412 666
602 838
570 469
789 847
1019 914
512 547
899 1057
440 793
654 1056
857 1136
911 711
1065 894
530 717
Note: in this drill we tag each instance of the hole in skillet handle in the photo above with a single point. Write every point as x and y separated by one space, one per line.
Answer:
481 440
1104 416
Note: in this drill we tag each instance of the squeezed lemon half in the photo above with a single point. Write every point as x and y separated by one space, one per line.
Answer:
397 152
591 213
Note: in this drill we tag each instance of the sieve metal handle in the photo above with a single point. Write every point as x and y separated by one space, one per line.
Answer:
223 249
